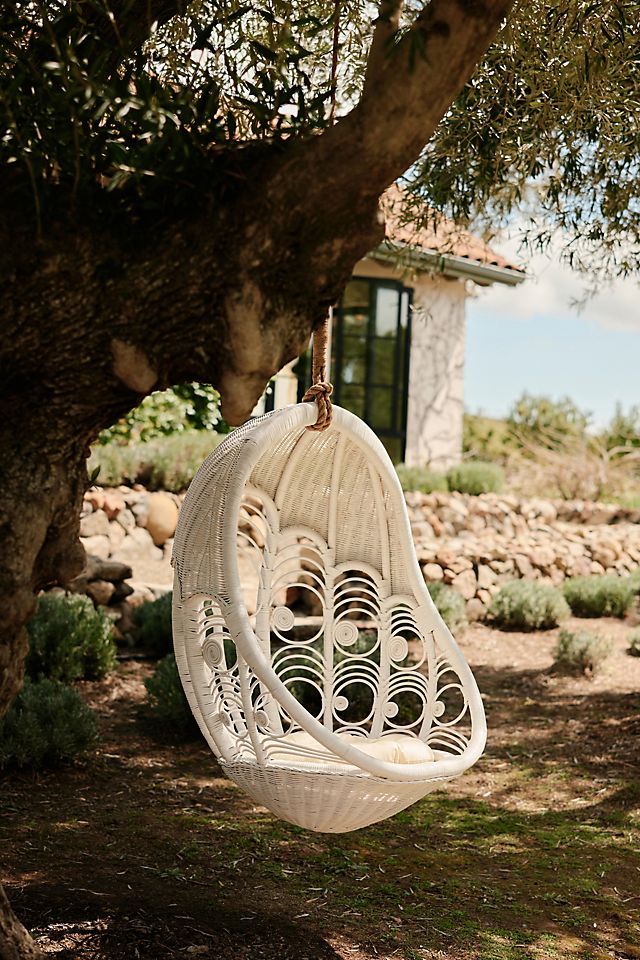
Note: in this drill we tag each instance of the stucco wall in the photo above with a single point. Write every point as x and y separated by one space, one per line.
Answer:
436 373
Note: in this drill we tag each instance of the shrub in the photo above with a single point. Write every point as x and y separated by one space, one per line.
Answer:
527 605
420 479
540 420
69 640
152 621
46 724
475 477
194 406
599 596
450 604
581 652
167 701
484 438
634 643
166 463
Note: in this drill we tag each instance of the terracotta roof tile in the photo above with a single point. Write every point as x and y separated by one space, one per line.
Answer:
440 235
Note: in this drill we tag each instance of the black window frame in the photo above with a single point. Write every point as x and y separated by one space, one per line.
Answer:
399 387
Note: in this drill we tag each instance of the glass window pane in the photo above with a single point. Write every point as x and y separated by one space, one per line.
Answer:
352 398
381 408
387 311
384 361
355 322
354 370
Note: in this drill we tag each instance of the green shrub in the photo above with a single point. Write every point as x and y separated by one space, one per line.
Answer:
599 596
550 423
581 652
167 701
420 479
166 463
634 643
46 724
475 477
484 438
450 604
189 406
152 621
69 640
634 580
527 605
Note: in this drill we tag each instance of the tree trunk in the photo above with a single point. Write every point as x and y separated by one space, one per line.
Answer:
100 312
15 941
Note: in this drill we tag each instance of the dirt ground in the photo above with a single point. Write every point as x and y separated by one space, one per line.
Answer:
144 851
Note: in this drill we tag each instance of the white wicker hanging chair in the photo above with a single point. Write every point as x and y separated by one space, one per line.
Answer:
341 718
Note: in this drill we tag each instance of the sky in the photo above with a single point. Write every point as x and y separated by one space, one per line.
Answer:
531 338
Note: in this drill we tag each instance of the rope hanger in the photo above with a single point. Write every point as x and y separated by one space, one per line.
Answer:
320 389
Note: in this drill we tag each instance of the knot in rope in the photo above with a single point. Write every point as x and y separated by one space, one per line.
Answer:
320 392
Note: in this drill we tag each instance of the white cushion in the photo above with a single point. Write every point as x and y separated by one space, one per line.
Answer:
394 748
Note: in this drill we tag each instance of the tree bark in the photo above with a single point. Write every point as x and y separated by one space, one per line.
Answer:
94 317
15 941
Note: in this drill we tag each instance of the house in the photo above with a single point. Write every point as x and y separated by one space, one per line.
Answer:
398 339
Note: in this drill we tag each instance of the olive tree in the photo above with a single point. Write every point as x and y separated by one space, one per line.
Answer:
186 187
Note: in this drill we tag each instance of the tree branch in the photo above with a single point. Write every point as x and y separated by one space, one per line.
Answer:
386 27
408 88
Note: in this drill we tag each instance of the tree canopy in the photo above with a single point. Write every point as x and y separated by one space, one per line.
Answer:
126 104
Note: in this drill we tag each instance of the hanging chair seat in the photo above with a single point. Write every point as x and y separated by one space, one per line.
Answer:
311 653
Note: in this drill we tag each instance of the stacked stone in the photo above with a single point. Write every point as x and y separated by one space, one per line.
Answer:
123 530
476 544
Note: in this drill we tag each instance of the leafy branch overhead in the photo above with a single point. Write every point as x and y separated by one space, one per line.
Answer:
129 104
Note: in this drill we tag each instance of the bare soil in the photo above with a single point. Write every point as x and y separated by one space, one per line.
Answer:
145 851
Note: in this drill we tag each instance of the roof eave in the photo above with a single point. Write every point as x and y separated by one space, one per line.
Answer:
447 264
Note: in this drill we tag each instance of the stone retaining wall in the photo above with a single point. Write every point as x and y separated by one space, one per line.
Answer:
475 544
478 543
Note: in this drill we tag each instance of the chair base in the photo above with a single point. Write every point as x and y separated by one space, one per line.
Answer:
326 802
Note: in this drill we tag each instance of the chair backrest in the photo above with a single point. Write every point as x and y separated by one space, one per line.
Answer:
296 571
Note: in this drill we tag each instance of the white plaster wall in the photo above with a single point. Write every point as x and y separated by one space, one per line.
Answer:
436 373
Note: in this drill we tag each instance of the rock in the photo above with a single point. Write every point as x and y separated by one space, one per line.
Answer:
162 517
99 546
432 572
422 530
460 564
100 591
466 584
603 557
113 504
140 510
126 520
121 591
95 497
94 524
136 547
116 534
523 565
475 609
113 570
486 577
484 596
